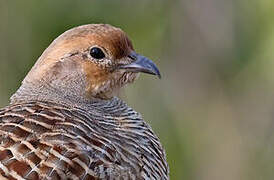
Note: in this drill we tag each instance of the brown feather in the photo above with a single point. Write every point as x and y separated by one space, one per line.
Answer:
65 121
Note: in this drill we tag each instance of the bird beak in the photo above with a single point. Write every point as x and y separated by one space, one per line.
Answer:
141 64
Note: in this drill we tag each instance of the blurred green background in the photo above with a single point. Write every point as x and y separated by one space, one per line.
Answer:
213 108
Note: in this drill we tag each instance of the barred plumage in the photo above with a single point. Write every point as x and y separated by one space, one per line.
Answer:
56 128
42 140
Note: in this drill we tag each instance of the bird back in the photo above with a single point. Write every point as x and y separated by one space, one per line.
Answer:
109 140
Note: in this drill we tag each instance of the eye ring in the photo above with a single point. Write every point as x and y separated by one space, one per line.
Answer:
96 53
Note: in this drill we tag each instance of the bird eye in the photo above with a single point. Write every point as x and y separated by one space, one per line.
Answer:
97 53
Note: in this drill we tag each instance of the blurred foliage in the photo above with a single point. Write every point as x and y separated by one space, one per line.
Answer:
213 108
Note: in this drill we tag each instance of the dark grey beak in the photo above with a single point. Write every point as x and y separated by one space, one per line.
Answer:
141 64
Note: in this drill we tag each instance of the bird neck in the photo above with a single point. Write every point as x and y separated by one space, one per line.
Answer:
26 94
59 85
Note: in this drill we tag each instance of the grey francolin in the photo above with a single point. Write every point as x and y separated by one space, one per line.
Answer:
65 121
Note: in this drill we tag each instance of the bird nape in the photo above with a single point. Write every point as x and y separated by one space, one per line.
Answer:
65 120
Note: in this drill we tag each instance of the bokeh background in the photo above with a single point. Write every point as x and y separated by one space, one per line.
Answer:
214 107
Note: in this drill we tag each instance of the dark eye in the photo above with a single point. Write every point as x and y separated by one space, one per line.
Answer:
97 53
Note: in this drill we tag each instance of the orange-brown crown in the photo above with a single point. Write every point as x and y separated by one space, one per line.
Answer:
112 39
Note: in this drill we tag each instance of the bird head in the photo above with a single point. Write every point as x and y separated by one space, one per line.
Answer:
93 61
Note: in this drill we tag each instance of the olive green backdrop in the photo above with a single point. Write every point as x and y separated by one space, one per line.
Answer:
214 107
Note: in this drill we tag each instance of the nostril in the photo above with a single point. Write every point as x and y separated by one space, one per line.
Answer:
131 57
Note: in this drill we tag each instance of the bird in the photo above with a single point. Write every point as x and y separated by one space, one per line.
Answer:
66 120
